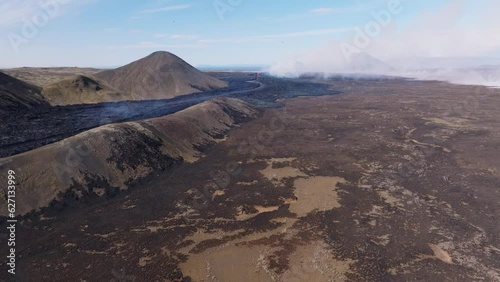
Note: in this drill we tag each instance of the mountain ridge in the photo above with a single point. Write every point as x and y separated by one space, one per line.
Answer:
160 75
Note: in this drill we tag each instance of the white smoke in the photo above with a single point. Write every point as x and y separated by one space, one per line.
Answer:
485 76
452 43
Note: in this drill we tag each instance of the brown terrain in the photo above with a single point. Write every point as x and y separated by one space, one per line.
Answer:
98 161
390 180
43 76
81 89
161 75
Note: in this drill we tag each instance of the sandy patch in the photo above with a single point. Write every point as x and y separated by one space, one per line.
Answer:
276 175
389 199
282 160
144 261
441 254
260 209
105 235
456 123
247 183
406 268
382 240
69 245
316 193
151 229
218 193
314 262
376 211
203 235
233 261
236 262
222 139
229 263
446 150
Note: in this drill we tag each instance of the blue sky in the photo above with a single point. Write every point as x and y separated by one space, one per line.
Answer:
104 33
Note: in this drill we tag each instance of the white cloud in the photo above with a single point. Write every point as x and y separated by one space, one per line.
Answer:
15 11
198 42
110 29
153 45
268 37
160 35
329 11
177 36
323 10
166 9
184 36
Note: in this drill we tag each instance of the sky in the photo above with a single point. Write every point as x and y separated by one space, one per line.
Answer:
284 35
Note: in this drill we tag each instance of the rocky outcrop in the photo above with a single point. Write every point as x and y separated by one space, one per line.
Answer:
108 159
16 95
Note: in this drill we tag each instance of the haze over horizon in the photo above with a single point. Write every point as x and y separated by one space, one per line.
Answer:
293 38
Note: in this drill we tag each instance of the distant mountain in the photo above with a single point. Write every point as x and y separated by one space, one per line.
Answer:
16 94
80 89
158 76
365 63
